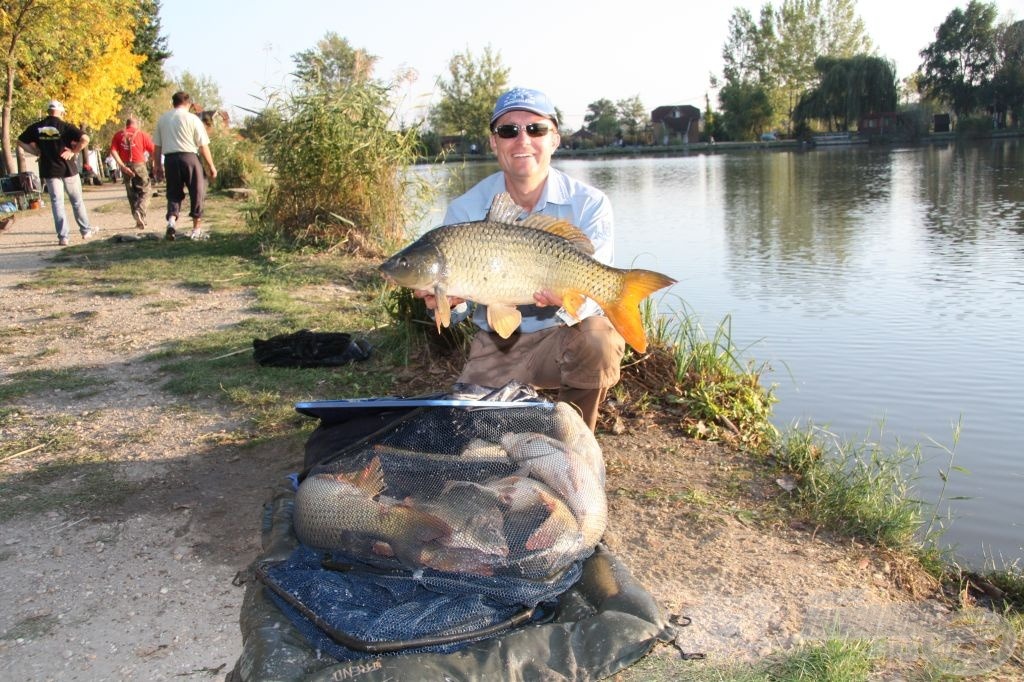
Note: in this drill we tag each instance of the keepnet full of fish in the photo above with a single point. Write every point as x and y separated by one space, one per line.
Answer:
516 492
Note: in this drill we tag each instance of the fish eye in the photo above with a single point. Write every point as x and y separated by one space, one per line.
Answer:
403 261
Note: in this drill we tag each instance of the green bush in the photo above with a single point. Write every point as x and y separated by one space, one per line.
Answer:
974 126
237 161
339 166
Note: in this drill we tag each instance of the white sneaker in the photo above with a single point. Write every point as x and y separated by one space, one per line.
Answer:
91 232
198 235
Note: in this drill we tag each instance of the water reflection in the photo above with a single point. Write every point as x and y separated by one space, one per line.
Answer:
884 285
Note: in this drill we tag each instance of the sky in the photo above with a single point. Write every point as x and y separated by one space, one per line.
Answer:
576 51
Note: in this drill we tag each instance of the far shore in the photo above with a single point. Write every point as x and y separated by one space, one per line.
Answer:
721 147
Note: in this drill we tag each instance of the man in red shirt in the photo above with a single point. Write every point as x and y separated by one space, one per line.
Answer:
130 148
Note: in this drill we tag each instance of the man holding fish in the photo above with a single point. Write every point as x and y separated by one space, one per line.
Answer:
552 312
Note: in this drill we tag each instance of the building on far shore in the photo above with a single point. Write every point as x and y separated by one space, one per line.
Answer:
676 124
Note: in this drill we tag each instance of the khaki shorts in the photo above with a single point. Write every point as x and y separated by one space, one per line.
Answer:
586 355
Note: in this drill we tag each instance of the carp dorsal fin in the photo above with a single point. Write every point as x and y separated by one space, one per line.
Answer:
561 228
504 209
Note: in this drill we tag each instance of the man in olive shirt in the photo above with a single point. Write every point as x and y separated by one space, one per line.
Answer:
180 139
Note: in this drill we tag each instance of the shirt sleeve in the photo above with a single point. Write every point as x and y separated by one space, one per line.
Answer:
597 222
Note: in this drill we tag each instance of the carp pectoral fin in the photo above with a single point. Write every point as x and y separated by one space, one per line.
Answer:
504 319
443 311
572 301
624 312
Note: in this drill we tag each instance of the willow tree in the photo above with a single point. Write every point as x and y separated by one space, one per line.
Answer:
807 30
90 75
848 88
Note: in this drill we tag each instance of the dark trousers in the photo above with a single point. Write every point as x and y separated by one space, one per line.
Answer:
184 170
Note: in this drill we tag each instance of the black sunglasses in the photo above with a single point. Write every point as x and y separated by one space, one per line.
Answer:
509 131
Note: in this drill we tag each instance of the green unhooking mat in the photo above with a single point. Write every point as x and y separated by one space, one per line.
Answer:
602 624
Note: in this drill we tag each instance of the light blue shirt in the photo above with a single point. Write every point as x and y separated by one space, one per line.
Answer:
563 197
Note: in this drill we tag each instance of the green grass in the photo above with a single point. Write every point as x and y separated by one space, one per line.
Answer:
833 660
856 488
76 482
722 394
219 364
18 384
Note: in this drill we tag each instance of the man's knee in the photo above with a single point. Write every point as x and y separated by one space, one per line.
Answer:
593 354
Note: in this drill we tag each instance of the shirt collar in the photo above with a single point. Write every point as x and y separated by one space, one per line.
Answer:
556 190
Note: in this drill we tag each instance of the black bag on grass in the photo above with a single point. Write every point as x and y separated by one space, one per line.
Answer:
306 348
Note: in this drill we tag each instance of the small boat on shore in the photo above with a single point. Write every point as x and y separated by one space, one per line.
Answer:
832 139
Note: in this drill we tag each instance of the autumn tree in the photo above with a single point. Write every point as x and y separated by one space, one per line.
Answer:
79 52
468 95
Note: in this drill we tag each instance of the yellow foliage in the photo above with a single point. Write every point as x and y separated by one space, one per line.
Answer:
96 88
77 51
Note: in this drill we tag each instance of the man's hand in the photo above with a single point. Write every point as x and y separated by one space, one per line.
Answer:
158 173
546 297
431 301
67 154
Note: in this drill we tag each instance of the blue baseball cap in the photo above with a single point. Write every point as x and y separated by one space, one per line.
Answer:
524 99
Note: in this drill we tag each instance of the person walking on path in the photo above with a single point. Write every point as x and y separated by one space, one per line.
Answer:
56 142
128 149
180 140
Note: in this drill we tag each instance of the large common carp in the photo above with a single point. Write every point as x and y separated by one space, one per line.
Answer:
502 261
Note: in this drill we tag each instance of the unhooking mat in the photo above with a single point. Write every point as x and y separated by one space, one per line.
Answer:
441 541
605 622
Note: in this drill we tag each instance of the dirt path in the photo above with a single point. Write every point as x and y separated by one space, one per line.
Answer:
142 590
140 587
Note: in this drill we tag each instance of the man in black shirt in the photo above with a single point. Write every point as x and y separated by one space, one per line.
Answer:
56 142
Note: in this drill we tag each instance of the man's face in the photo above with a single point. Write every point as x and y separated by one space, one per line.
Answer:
525 156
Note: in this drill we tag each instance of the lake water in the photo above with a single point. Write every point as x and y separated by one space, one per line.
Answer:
883 286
